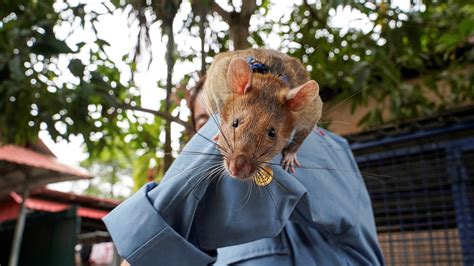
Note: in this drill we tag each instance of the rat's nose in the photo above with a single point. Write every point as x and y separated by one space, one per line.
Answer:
239 167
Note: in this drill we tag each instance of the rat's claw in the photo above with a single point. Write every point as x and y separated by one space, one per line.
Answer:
289 161
297 162
284 164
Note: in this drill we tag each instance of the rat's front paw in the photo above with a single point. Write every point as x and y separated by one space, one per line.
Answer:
289 161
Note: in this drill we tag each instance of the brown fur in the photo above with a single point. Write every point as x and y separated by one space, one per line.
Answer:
262 107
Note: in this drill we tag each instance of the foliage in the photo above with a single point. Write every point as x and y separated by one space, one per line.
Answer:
110 169
431 42
396 60
90 97
87 98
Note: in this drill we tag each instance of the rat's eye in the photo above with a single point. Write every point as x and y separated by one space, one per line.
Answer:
271 133
235 123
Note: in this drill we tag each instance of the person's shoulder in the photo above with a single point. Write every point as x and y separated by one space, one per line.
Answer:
204 137
199 152
327 138
332 135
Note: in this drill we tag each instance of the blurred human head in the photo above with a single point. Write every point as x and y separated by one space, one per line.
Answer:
199 114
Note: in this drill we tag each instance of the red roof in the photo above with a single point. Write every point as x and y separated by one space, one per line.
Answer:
10 210
19 155
75 198
19 165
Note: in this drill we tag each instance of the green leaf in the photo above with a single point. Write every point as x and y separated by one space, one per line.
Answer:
76 67
448 42
466 27
50 47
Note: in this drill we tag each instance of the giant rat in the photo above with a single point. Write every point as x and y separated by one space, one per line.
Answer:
262 97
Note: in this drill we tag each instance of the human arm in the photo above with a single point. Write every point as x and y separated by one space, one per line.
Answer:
163 223
193 212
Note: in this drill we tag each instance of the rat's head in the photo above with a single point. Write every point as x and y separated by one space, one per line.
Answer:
258 118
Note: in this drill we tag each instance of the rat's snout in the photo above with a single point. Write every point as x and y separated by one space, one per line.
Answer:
240 166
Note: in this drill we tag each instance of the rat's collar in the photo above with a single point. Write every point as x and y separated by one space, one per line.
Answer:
259 67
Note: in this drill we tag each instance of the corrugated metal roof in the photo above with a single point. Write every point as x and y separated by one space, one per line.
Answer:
38 204
90 201
20 166
19 155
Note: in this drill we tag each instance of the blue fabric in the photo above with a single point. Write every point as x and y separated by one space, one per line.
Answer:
321 215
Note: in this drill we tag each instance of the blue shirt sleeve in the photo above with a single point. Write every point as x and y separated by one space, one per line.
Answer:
142 237
196 209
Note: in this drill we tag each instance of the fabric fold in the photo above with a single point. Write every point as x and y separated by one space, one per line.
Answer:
198 208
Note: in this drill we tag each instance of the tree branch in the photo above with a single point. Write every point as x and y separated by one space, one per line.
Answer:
248 7
161 114
219 10
164 115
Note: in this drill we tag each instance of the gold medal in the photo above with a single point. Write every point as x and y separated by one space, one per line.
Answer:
264 176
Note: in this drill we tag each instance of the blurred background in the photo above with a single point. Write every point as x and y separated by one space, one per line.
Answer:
99 92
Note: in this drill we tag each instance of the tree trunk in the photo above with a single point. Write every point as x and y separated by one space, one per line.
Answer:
239 31
170 47
202 35
200 9
238 22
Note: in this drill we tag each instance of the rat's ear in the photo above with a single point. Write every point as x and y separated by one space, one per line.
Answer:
239 76
298 97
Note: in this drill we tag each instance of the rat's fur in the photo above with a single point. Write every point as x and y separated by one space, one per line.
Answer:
267 102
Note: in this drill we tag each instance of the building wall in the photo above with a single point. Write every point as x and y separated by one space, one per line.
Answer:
341 120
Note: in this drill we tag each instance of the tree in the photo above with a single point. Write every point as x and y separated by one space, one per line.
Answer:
165 11
33 94
428 44
92 103
239 22
431 43
109 171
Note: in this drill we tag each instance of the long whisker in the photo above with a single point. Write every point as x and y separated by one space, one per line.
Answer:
258 175
210 173
201 153
219 126
265 187
259 143
323 122
264 153
328 112
216 172
207 177
271 197
233 118
221 176
184 172
365 174
269 192
215 143
224 153
247 197
199 180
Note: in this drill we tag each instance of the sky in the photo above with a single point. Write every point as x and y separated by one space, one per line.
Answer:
114 29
